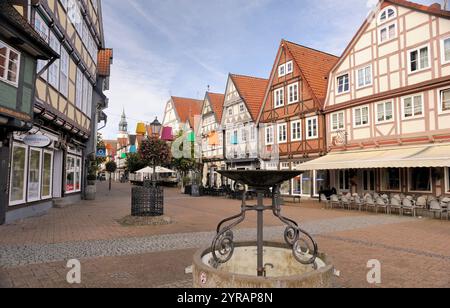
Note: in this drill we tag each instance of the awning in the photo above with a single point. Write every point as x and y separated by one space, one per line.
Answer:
436 155
158 170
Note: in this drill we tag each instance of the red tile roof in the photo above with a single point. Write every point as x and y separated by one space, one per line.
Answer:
217 104
434 9
315 66
105 57
187 109
252 90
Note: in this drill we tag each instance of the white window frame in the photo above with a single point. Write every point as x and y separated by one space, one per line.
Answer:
30 150
420 69
387 28
282 70
368 116
443 60
79 90
278 93
365 85
290 88
51 174
441 105
25 176
404 117
337 84
308 121
4 78
420 191
293 130
280 127
291 70
269 135
336 114
386 10
377 121
76 159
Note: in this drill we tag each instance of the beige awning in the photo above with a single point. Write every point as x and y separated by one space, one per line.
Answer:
436 155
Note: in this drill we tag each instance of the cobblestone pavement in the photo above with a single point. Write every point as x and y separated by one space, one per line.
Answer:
34 252
42 253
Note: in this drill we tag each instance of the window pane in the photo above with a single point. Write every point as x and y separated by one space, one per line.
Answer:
306 183
391 179
418 105
361 79
70 177
47 175
297 186
392 31
389 111
420 179
383 35
358 117
365 115
18 174
414 55
424 58
13 66
408 107
34 175
445 97
447 49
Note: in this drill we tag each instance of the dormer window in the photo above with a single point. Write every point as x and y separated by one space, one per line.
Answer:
387 14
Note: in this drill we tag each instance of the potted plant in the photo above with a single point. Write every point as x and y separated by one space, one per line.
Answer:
91 189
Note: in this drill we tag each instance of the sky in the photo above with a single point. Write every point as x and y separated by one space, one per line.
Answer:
180 47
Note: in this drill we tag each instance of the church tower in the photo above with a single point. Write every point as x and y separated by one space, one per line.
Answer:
123 124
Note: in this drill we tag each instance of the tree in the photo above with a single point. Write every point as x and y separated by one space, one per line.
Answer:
111 167
155 152
135 162
186 164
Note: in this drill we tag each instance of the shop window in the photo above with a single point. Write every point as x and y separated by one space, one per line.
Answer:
307 179
369 180
18 175
391 179
297 186
34 175
47 175
420 179
321 179
344 180
73 174
447 180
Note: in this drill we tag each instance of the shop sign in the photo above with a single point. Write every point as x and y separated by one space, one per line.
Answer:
37 141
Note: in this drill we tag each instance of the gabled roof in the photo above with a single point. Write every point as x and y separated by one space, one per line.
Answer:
314 65
252 91
187 109
216 101
434 9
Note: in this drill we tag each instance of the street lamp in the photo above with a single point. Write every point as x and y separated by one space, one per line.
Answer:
156 127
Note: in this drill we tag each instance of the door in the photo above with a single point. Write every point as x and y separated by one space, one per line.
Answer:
4 157
58 174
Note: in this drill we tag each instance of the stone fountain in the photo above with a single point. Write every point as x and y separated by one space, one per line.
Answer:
296 263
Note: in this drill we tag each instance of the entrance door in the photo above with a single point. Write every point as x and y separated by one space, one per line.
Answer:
368 180
4 155
58 174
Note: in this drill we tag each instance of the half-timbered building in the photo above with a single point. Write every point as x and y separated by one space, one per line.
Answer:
388 104
291 116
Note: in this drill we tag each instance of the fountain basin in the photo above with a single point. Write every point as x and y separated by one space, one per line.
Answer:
239 272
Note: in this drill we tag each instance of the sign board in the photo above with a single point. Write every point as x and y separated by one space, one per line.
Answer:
101 152
37 141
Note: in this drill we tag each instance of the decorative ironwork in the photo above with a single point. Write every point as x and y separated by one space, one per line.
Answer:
304 248
147 201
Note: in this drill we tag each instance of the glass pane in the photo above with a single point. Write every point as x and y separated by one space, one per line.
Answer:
296 186
284 189
383 35
47 175
70 174
447 49
2 64
18 174
408 107
391 179
321 181
424 58
78 175
446 100
34 175
306 183
420 179
418 105
391 31
414 61
389 113
361 78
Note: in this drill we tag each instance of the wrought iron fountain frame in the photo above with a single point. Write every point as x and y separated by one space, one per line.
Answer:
304 247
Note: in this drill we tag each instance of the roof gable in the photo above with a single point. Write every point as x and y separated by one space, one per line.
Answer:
252 91
187 109
216 100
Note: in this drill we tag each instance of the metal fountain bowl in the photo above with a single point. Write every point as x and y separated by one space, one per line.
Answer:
260 264
260 178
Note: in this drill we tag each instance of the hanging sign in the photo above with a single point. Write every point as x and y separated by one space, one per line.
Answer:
101 152
37 141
